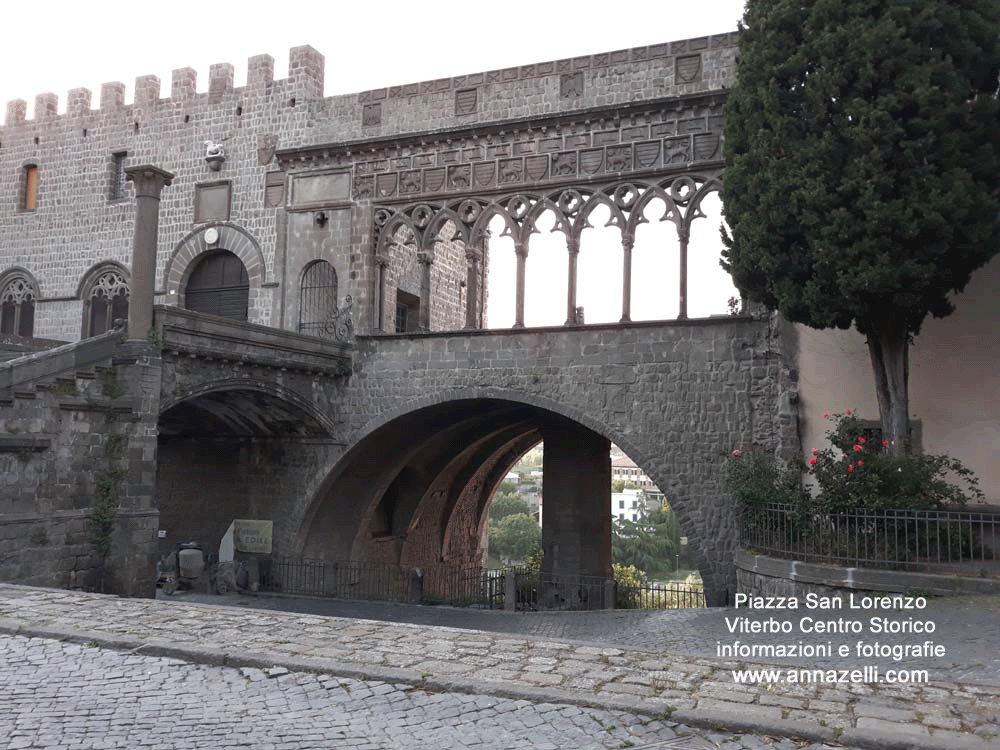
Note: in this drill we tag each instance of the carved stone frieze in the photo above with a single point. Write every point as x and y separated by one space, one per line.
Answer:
654 141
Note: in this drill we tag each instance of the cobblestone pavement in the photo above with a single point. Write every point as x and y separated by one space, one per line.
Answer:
963 625
690 690
61 695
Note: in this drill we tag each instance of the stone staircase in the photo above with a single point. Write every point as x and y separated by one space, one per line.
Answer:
59 408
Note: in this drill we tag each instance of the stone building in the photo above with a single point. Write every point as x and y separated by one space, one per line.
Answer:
289 222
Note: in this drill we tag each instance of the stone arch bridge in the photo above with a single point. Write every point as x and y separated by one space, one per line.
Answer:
387 446
389 449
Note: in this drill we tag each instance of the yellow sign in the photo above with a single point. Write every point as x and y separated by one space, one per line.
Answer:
252 536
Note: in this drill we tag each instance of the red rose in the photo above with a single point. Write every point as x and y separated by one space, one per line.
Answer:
815 452
812 461
850 469
847 412
861 440
857 448
861 463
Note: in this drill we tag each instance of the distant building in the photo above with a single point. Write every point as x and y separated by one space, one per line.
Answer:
625 469
629 504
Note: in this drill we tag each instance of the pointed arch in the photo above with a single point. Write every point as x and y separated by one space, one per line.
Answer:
18 292
105 291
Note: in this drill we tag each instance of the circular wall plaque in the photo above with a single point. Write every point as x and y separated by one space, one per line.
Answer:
211 235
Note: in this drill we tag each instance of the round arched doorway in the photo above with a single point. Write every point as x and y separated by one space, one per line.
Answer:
218 285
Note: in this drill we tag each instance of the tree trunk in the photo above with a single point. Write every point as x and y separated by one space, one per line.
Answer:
889 347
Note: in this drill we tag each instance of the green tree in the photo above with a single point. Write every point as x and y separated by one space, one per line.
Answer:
508 504
617 485
863 145
507 488
650 544
515 537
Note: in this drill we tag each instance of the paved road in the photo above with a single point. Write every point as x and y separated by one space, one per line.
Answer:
64 695
968 627
876 714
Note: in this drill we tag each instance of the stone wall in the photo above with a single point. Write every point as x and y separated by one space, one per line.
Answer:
203 484
65 437
677 397
81 221
760 575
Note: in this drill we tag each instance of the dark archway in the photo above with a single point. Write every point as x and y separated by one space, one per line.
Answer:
416 488
219 285
235 452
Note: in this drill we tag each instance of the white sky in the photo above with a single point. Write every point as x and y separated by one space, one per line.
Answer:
58 45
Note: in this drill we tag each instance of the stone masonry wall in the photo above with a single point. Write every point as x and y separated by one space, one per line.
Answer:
676 397
79 222
61 439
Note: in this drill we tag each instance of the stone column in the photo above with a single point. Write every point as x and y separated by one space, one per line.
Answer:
627 243
576 525
573 248
380 265
148 181
426 259
683 233
472 258
521 248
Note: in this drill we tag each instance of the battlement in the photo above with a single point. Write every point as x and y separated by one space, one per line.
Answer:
305 78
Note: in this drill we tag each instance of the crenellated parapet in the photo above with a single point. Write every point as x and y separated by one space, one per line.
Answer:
305 80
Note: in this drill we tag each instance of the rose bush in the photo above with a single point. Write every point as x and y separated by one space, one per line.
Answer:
853 473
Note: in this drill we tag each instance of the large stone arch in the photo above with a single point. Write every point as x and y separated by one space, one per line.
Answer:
231 237
380 449
234 448
268 388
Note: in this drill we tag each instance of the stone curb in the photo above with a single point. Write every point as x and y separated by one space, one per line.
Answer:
717 719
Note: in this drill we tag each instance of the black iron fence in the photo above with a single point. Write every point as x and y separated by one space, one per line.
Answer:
655 595
893 539
468 586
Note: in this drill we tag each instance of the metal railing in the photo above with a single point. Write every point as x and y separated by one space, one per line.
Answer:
457 585
655 595
468 586
893 539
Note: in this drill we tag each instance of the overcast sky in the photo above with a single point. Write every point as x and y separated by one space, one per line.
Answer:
56 46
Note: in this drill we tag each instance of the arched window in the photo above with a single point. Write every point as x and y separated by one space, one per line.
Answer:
317 298
106 302
219 285
17 305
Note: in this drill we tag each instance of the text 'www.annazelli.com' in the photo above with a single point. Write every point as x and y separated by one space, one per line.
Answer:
828 676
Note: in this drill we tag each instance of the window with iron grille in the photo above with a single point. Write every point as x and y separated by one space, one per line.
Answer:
118 175
317 298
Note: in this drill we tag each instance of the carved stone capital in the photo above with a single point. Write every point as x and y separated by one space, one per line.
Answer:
521 248
148 180
628 242
472 255
382 261
573 244
425 257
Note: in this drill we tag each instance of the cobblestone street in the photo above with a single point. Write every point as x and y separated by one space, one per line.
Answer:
65 695
105 680
962 624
